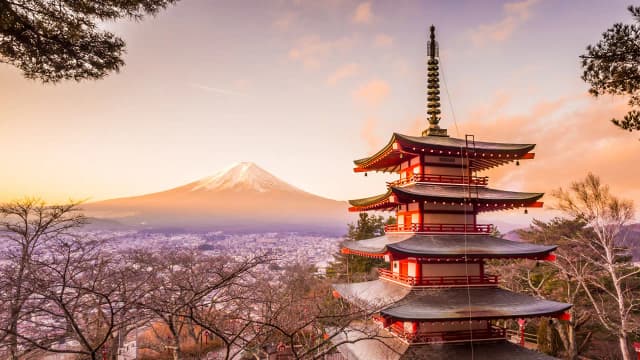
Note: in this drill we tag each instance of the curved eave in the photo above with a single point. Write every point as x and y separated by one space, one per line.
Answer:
484 155
357 344
446 304
382 153
376 202
444 246
486 304
488 199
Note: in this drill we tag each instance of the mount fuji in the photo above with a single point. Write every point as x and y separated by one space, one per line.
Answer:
240 198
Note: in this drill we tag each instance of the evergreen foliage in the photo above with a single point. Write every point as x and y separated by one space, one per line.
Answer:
612 66
62 40
347 266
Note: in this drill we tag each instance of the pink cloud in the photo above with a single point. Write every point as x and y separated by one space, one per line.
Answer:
573 136
363 13
343 72
311 51
383 40
515 14
372 93
284 21
369 135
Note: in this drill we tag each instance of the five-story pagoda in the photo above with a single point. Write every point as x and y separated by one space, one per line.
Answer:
435 300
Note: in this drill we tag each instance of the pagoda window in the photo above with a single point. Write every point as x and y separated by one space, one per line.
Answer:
417 170
442 170
471 269
412 269
410 327
400 219
449 219
415 218
413 206
453 326
396 266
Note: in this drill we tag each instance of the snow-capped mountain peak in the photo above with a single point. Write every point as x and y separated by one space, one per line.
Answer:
242 176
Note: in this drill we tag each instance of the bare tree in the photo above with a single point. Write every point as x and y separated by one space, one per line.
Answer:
26 226
558 280
297 310
190 289
610 279
81 295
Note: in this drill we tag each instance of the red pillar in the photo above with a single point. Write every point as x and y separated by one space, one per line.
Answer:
421 216
636 347
418 271
521 323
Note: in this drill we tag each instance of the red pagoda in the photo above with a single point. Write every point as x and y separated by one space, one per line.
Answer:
435 299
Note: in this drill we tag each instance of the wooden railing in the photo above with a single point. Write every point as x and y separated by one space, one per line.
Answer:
439 280
530 339
440 228
494 332
442 179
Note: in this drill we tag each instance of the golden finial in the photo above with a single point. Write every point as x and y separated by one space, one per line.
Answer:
433 88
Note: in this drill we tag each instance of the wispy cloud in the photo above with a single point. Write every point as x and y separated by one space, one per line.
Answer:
573 136
217 90
311 51
343 72
363 14
369 134
515 14
372 93
284 21
382 40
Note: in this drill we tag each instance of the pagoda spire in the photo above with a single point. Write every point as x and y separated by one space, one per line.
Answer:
433 88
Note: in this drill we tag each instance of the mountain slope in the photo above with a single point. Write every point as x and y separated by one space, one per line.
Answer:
243 198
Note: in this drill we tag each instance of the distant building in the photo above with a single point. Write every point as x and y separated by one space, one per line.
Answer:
128 351
435 300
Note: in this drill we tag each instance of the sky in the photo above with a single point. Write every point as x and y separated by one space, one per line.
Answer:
304 87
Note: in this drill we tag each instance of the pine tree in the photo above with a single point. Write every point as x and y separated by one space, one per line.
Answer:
58 40
347 266
612 66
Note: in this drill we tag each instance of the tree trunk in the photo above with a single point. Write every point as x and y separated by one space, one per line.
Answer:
176 350
12 337
624 346
622 337
572 350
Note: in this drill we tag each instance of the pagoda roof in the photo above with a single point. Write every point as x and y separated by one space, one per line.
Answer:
447 245
354 345
485 154
491 198
447 304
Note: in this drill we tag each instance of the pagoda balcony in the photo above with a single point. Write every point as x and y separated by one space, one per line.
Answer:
437 281
442 179
440 228
436 337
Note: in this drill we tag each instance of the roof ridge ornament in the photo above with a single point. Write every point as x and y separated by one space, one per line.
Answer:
433 88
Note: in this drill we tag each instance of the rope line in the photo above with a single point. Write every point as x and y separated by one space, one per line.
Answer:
468 184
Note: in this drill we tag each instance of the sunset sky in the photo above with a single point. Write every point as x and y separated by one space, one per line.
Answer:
304 87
